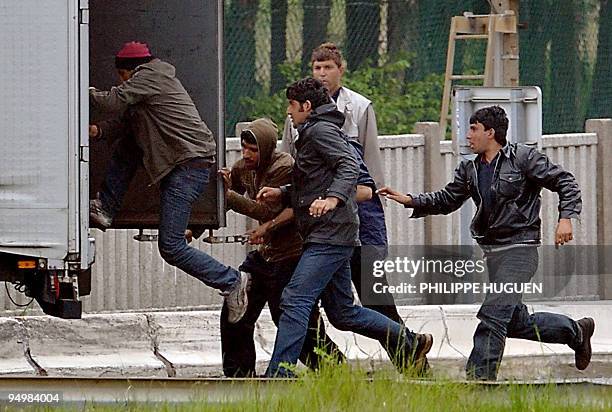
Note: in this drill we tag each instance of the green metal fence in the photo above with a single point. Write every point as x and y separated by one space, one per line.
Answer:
565 48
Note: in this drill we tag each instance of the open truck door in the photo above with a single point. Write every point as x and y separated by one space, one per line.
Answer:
48 171
189 35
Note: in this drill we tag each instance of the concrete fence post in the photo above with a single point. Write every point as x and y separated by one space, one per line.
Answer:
433 172
603 129
433 175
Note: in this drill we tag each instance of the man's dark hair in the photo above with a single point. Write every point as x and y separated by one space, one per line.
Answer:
309 89
248 137
130 63
492 117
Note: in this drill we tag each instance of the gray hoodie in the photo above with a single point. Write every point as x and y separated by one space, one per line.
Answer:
325 165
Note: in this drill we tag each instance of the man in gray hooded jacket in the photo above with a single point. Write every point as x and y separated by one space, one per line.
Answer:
162 130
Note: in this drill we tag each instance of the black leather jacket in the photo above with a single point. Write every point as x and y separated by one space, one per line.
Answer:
520 174
325 165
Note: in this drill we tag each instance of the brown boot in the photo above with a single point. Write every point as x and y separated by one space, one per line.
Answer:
424 342
583 351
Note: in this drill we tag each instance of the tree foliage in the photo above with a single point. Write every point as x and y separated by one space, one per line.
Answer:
398 104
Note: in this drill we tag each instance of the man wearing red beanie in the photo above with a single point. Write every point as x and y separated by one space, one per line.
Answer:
162 130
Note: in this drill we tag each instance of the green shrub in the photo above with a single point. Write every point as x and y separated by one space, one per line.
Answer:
398 104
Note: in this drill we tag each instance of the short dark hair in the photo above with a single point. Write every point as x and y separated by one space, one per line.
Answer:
492 117
130 63
248 137
309 89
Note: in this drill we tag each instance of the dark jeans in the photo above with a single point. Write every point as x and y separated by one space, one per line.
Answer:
324 270
268 279
364 283
179 190
504 315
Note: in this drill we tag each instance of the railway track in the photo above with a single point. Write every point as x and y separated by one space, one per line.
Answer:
122 390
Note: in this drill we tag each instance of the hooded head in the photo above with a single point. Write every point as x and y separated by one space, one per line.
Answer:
264 133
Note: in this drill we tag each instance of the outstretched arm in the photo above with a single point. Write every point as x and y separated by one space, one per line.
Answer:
442 202
395 195
138 88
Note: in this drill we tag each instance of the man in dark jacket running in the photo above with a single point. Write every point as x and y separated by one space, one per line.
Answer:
162 130
505 180
322 196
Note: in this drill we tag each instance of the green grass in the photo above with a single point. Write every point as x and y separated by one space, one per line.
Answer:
349 388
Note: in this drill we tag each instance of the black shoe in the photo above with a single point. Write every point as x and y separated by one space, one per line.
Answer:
583 351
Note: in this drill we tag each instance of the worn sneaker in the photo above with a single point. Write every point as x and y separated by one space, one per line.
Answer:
583 351
424 342
98 216
236 299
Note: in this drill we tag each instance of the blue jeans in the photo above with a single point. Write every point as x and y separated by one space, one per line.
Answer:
504 315
364 281
268 280
179 190
324 270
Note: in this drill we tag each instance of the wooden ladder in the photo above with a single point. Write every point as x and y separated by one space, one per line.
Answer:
489 27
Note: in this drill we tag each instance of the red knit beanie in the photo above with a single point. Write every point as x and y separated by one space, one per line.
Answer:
134 50
132 55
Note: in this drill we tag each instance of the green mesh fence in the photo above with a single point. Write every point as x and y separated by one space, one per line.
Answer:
396 54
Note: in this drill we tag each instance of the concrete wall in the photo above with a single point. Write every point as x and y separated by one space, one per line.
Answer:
130 275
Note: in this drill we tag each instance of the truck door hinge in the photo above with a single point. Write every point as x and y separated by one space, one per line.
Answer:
84 154
145 237
84 12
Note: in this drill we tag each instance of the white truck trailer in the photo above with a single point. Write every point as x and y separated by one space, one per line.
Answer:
51 52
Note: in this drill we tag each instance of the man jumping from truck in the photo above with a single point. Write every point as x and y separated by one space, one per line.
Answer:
505 180
160 128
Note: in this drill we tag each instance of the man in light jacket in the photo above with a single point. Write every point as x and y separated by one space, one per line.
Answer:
359 117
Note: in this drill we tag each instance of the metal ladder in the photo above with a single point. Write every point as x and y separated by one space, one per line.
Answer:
489 27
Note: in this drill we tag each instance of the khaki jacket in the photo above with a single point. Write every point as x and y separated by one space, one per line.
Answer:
162 116
274 170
